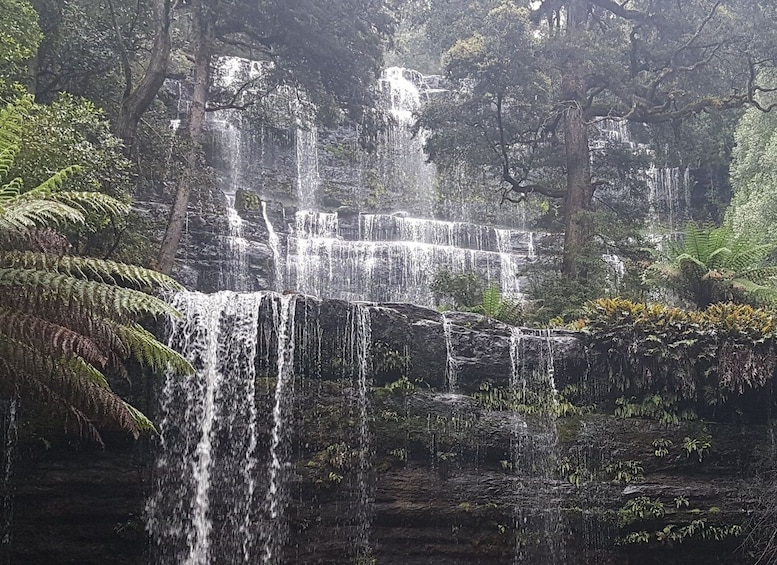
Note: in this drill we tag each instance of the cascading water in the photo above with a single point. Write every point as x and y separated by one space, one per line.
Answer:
308 179
536 444
668 187
224 471
283 312
668 197
197 422
275 246
403 167
392 258
362 338
227 129
451 365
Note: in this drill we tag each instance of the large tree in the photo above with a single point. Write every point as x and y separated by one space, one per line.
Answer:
534 79
331 51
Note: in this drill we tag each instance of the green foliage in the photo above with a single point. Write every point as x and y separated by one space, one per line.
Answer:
753 209
68 323
525 401
613 260
653 407
625 471
661 447
698 446
696 530
71 130
671 357
19 39
467 292
457 290
495 306
640 509
716 265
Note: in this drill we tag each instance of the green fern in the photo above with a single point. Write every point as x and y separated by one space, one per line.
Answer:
714 264
492 301
66 322
89 268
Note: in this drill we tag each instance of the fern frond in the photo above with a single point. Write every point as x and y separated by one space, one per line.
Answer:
695 242
85 297
142 423
96 202
747 255
88 268
492 299
762 292
761 275
10 190
7 156
52 184
54 339
24 214
150 352
76 382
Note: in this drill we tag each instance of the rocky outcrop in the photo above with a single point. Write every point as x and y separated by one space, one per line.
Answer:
504 469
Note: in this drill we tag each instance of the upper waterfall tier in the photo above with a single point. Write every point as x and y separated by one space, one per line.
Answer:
392 258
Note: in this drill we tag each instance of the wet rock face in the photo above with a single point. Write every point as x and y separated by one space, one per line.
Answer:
485 474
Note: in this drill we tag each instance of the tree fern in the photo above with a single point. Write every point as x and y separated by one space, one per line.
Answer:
66 322
492 301
714 264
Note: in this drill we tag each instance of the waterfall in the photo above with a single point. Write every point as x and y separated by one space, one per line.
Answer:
277 495
308 180
362 339
226 460
403 167
227 128
393 258
208 467
275 246
451 365
668 197
234 276
536 447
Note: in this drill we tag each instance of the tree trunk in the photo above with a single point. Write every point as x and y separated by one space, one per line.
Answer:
578 158
203 30
140 98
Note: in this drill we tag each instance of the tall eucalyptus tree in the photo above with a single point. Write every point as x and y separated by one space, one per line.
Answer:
534 77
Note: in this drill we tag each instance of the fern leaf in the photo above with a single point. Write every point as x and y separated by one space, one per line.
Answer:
142 423
492 298
7 156
55 339
88 268
149 351
52 184
86 296
96 202
24 214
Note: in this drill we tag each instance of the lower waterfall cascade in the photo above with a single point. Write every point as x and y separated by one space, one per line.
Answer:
233 452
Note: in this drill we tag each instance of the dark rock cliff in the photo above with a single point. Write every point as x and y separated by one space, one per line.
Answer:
475 476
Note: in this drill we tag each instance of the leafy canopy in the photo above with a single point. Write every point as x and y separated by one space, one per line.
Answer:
19 39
